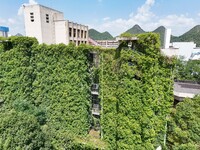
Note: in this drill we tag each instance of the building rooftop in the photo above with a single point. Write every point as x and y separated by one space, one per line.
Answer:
42 6
183 89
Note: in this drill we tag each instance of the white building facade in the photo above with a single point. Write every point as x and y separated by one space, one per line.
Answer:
50 27
178 49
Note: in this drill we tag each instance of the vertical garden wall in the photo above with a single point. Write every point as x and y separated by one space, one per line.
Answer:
136 89
45 99
48 84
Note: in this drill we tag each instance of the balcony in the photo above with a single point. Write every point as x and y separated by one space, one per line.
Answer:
95 89
96 109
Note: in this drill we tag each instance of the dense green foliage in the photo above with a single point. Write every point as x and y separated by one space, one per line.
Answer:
20 131
95 35
187 70
44 95
45 100
136 95
193 35
184 126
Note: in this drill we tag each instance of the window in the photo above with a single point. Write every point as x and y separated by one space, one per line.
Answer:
32 16
70 32
85 34
81 33
74 32
47 18
78 33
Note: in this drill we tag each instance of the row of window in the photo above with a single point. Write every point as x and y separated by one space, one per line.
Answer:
33 19
79 42
80 33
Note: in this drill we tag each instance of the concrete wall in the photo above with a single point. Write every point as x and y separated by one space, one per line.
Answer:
185 48
167 38
61 32
33 29
50 27
79 33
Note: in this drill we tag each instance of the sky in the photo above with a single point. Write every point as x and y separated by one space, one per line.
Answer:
114 16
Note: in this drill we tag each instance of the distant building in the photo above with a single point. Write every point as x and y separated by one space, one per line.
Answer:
50 27
178 49
4 31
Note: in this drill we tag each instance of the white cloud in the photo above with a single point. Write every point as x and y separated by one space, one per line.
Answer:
143 13
148 21
106 19
20 10
11 21
2 21
16 24
178 23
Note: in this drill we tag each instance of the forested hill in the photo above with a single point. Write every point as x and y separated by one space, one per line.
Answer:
161 31
191 35
95 35
136 29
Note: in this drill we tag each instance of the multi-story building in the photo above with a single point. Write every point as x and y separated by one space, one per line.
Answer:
4 31
50 27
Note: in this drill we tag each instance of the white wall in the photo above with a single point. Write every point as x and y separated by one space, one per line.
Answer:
185 48
170 52
167 38
60 32
33 29
43 31
56 30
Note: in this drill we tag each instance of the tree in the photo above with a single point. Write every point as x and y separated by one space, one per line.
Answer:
20 131
184 125
187 70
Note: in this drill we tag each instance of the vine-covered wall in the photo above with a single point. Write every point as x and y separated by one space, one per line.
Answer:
51 84
137 94
46 91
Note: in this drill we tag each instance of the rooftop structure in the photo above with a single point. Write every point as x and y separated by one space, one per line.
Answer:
108 43
50 27
4 31
111 43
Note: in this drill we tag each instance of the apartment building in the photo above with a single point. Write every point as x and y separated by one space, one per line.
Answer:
4 31
50 27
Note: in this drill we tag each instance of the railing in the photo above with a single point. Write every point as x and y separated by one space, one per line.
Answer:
96 109
95 89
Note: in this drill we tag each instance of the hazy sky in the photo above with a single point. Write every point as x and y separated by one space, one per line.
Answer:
115 16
